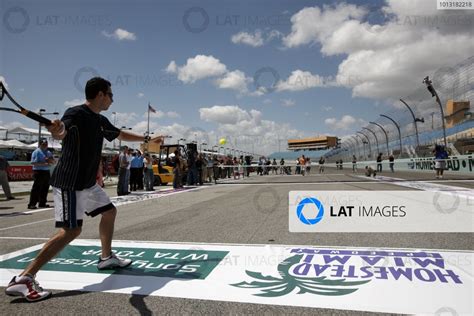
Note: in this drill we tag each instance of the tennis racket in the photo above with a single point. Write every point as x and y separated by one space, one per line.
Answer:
21 110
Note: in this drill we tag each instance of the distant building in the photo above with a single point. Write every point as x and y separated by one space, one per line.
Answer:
313 143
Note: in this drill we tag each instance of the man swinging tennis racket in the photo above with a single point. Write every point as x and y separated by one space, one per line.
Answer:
82 130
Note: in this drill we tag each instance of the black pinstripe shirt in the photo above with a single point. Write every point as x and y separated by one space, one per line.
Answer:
81 148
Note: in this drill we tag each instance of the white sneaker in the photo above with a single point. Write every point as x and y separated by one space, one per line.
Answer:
113 262
27 287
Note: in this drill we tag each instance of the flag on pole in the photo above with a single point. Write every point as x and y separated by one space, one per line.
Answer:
151 109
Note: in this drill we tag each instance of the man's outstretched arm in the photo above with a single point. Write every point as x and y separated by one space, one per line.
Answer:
132 137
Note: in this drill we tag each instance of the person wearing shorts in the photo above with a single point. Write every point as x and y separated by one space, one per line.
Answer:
76 193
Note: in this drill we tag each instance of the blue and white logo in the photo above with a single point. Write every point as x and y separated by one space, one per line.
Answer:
303 218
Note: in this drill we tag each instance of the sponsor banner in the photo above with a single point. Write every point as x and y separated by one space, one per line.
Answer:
461 164
20 173
176 263
380 211
457 164
363 279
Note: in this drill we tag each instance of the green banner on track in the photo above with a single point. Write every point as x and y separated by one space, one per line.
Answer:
172 263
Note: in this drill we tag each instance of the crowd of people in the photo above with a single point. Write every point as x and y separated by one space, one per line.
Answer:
135 171
198 168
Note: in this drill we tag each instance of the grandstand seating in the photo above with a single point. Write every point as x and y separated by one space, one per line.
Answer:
290 155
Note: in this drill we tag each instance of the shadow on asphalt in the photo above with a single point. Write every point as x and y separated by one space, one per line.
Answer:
136 300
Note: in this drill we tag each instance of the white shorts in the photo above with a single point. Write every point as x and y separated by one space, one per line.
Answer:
440 164
70 206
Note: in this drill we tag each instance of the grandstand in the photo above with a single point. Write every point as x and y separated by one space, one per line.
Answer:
311 147
313 143
293 155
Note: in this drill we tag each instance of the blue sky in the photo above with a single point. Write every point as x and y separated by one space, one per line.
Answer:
335 63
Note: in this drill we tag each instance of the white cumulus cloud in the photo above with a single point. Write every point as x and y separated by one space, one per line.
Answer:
234 80
247 129
223 114
300 80
74 102
254 40
386 60
344 123
196 68
257 39
120 35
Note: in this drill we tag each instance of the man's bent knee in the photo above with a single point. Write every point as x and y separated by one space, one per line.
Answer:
110 213
72 232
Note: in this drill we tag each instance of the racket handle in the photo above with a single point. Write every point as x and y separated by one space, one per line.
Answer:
37 117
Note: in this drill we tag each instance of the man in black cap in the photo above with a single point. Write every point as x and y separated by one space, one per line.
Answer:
41 159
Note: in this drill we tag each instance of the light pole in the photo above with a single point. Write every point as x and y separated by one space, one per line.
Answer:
202 144
368 142
357 145
432 120
399 133
214 149
376 140
42 112
385 132
415 119
363 144
351 146
431 89
181 139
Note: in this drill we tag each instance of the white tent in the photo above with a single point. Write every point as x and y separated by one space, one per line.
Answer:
54 145
13 143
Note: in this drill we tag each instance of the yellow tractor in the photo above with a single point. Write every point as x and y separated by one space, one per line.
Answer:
162 174
162 168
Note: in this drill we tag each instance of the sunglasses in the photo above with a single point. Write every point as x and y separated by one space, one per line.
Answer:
110 94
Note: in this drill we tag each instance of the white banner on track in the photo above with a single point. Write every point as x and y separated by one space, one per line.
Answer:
362 279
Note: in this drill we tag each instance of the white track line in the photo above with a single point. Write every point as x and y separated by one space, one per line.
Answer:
27 224
134 242
149 196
